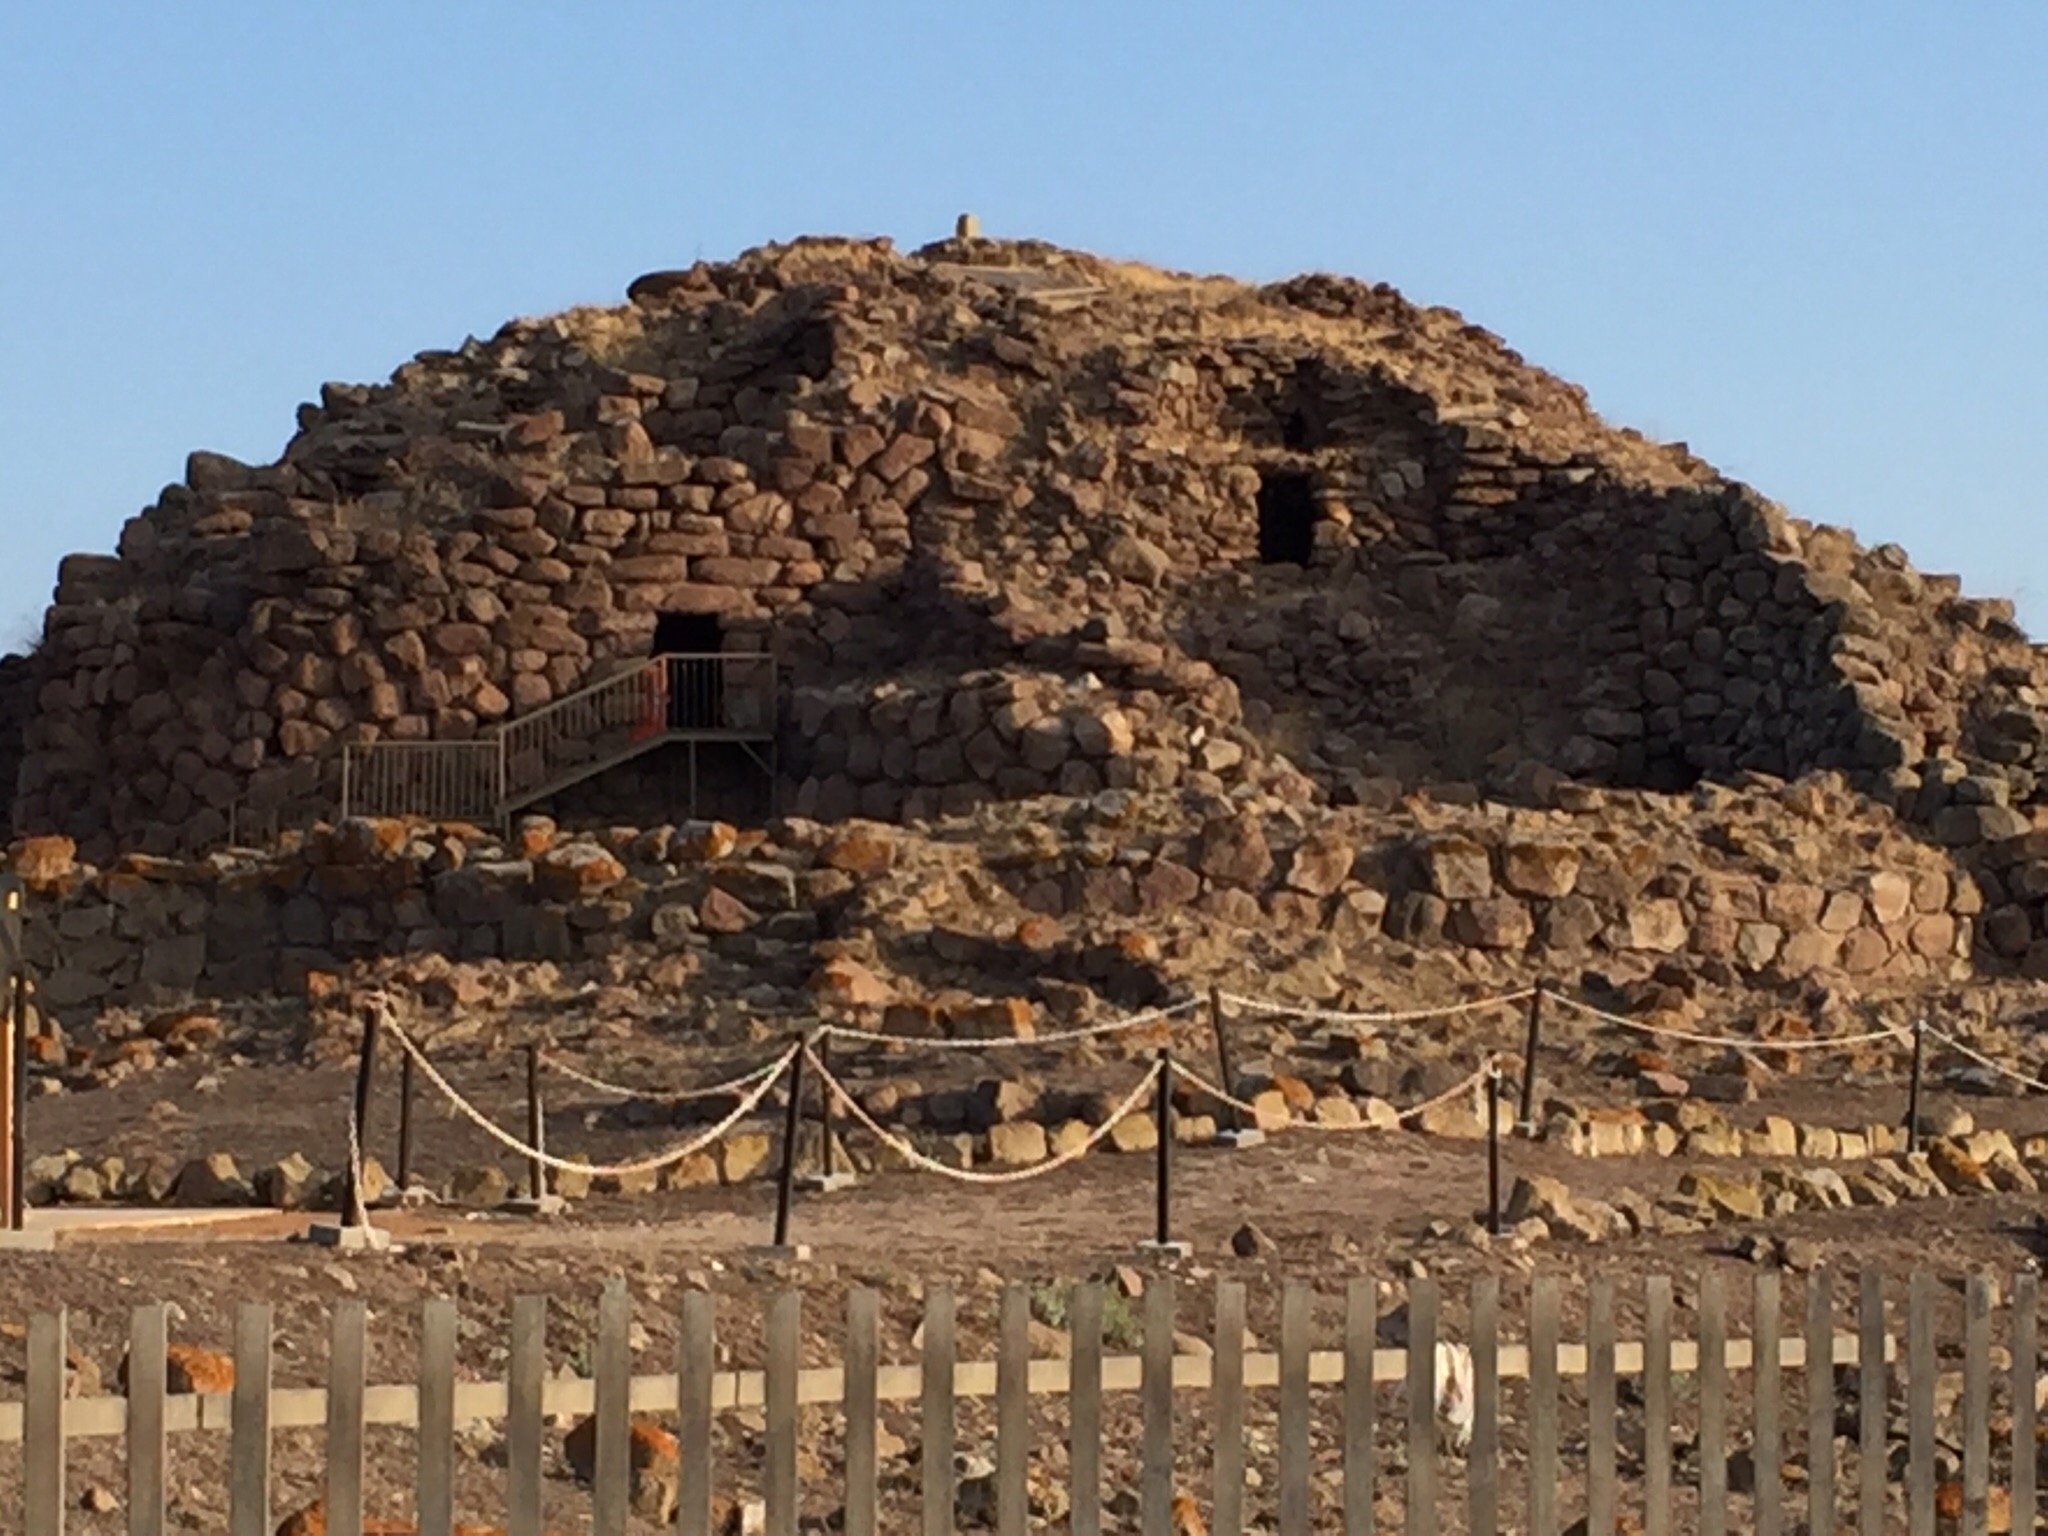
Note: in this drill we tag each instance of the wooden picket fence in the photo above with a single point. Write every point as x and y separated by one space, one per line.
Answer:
696 1393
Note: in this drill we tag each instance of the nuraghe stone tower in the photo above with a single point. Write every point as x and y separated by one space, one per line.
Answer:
999 523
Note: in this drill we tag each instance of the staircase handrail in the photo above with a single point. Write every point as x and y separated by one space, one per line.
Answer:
506 752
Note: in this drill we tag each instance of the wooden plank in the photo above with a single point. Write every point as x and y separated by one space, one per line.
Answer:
611 1471
1820 1402
1872 1390
2026 1298
1294 1408
1766 1386
1657 1406
1361 1323
1920 1404
1013 1412
936 1460
344 1418
42 1450
485 1401
785 1344
1422 1391
1155 1468
524 1432
147 1336
1226 1405
863 1314
1600 1405
696 1365
1976 1403
437 1417
1713 1399
1084 1411
249 1443
1482 1486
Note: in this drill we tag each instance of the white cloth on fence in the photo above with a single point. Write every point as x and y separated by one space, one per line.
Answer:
1454 1396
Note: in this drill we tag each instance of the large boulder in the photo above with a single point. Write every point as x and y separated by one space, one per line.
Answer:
1456 868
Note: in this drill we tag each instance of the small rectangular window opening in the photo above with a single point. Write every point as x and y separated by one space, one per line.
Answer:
1287 517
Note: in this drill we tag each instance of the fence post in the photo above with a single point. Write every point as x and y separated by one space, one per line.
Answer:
436 1462
2026 1298
936 1420
780 1489
249 1423
1913 1088
1155 1409
1293 1464
1525 1118
1084 1410
863 1311
785 1181
611 1408
42 1440
344 1445
145 1426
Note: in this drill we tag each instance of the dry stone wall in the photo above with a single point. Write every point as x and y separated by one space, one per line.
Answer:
1099 906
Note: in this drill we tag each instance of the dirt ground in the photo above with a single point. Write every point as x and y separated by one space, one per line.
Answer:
1336 1208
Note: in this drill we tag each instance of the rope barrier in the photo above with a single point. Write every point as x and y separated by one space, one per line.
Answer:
1404 1016
754 1086
1063 1037
910 1154
1744 1042
1982 1060
682 1096
748 1103
1465 1085
358 1213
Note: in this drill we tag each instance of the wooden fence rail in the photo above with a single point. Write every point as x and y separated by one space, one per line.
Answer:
1564 1463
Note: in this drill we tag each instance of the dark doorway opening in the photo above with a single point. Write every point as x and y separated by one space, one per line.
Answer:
687 634
695 680
1287 517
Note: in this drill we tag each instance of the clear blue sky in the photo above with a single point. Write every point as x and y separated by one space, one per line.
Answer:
1807 238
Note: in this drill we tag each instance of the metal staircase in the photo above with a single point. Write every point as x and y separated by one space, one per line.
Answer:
729 697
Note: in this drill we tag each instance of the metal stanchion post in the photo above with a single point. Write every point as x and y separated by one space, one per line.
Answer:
1913 1088
828 1177
1493 1090
355 1201
1162 1242
536 1128
785 1183
351 1230
17 1090
1234 1133
13 1064
1525 1118
404 1126
538 1200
